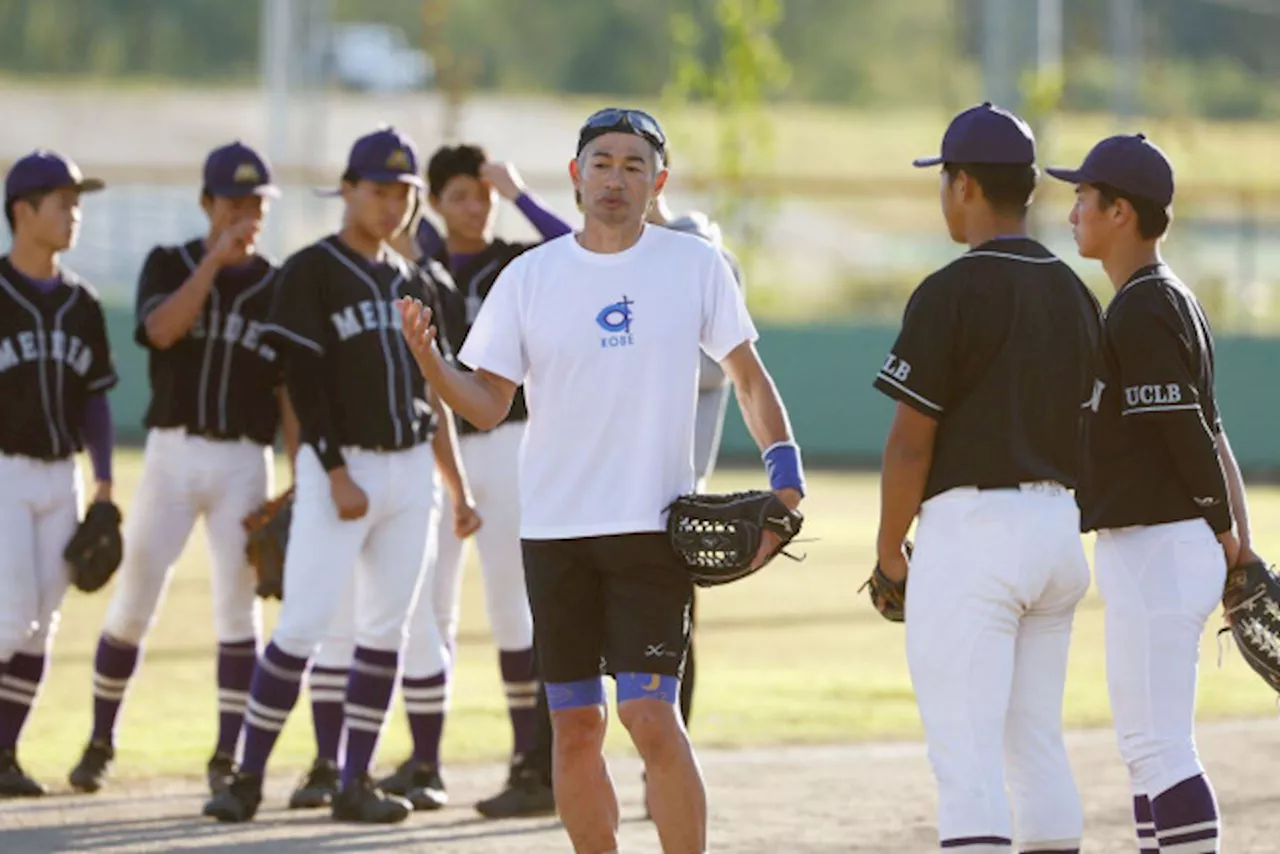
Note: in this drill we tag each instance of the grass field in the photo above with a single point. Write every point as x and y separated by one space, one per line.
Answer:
791 655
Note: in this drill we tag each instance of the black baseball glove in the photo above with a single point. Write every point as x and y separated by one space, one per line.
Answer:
718 536
1251 607
268 529
94 552
887 596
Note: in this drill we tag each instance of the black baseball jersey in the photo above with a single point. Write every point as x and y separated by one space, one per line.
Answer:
1152 422
473 281
999 347
351 376
54 355
219 380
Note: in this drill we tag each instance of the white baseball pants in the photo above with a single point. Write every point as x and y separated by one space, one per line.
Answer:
39 511
184 477
1160 584
992 590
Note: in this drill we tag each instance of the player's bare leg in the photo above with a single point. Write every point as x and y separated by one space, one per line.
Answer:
585 797
675 792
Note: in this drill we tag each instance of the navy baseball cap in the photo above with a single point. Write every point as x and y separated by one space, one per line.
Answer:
985 134
236 170
1132 164
43 170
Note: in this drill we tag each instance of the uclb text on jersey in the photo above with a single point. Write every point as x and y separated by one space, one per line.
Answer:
615 318
365 316
896 368
233 330
55 345
1152 395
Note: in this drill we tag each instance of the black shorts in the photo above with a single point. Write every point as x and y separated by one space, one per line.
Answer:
615 604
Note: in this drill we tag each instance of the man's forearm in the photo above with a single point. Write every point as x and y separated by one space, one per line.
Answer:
1235 490
445 447
763 411
174 317
903 476
466 393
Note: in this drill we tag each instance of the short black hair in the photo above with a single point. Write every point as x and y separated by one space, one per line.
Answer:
1153 217
1007 186
450 161
33 198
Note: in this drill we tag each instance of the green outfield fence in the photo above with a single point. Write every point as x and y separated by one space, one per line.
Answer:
825 374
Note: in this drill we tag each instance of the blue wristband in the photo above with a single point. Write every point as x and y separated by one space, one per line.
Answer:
782 463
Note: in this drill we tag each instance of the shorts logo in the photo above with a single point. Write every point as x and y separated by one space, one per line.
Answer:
1094 403
615 318
897 368
658 650
1152 395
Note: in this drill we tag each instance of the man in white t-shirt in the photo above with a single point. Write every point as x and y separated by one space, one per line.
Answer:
604 330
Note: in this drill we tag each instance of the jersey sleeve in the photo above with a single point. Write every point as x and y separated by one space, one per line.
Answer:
496 342
101 375
917 370
160 277
726 323
296 319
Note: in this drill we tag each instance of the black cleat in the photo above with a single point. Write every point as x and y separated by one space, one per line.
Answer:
238 802
420 782
89 775
318 787
365 803
528 794
220 772
14 782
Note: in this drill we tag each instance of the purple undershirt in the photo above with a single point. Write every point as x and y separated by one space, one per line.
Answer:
547 222
99 431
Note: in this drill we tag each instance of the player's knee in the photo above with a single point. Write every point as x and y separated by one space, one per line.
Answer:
236 624
1162 765
579 729
127 628
653 724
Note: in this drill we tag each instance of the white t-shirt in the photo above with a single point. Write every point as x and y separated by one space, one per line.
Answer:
607 348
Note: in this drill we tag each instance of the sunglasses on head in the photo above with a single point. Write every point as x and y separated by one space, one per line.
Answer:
628 121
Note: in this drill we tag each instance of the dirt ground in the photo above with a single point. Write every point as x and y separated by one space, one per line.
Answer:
804 799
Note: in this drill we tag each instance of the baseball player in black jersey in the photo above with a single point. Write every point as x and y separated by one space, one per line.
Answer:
212 419
55 370
989 371
1161 488
364 475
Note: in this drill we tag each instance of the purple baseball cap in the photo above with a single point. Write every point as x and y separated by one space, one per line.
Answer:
43 170
985 134
1132 164
385 156
236 170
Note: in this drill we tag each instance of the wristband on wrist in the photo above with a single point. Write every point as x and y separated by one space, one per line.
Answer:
782 464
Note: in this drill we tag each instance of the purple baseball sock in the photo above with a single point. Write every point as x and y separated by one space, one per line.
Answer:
18 688
113 666
1186 817
522 695
235 672
425 701
327 687
369 690
277 681
1146 825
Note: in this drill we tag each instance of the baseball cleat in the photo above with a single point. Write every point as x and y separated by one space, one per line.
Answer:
318 788
14 782
419 781
220 771
527 795
238 802
91 771
365 803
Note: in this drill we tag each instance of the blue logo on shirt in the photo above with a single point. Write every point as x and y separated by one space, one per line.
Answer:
615 319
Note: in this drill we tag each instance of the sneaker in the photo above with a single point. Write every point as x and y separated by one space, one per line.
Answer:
527 794
220 771
419 781
365 803
318 788
14 782
90 773
239 801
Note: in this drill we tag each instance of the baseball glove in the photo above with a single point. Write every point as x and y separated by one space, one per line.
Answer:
1251 607
95 549
887 596
268 529
718 536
